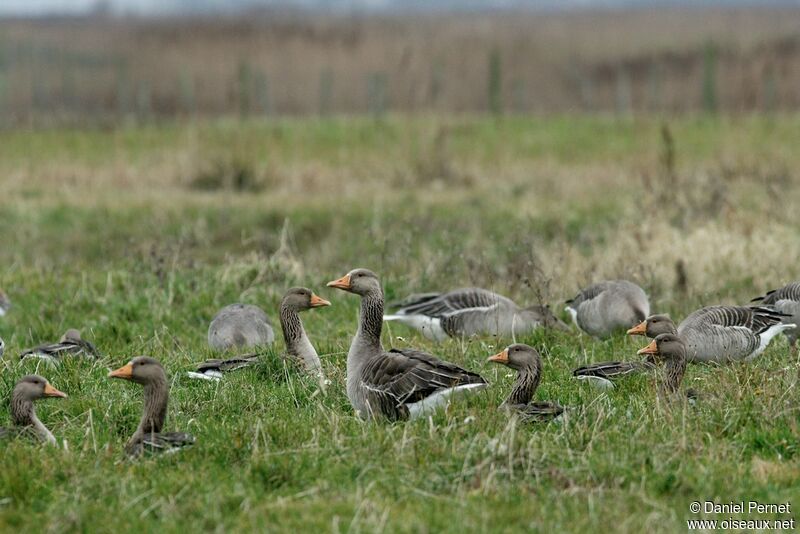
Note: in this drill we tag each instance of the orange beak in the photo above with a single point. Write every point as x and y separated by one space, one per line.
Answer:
341 283
50 391
125 372
500 357
652 348
317 302
639 330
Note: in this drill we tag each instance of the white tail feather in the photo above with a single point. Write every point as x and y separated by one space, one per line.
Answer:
441 398
213 376
767 335
597 381
430 327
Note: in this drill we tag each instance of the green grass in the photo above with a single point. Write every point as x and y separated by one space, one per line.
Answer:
101 231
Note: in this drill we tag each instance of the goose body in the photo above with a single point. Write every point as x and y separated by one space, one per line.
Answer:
528 364
606 307
240 326
603 375
787 301
298 347
399 383
70 344
470 312
730 333
148 435
23 414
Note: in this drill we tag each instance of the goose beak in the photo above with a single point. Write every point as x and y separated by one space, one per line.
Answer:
317 302
341 283
50 391
652 348
500 357
638 330
124 372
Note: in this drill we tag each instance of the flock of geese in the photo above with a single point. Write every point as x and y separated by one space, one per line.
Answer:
400 384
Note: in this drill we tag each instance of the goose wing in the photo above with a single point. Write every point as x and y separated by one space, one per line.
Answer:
161 442
537 412
398 378
438 305
787 292
610 370
64 348
230 364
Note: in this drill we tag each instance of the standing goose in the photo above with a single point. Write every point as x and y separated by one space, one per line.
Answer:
70 344
671 350
240 326
605 307
148 436
5 303
23 414
526 361
603 374
470 312
786 300
400 383
298 346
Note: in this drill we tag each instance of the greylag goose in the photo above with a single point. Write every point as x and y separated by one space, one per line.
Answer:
5 303
720 333
148 436
671 350
2 347
240 326
603 374
605 307
526 361
469 312
23 414
70 344
786 300
400 383
298 346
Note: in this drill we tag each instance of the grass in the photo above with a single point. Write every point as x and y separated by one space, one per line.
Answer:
104 231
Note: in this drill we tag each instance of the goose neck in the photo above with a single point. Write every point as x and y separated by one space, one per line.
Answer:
525 386
156 398
370 320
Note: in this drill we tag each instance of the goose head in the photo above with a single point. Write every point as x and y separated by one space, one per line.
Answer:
71 335
301 299
142 370
517 356
653 326
668 347
34 387
362 282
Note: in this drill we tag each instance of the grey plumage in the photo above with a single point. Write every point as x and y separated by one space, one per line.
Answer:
669 350
729 333
606 307
240 326
469 312
395 384
70 344
787 301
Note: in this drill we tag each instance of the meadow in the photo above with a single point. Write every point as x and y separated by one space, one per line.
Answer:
137 234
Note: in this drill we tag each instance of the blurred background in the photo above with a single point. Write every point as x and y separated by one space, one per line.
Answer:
112 60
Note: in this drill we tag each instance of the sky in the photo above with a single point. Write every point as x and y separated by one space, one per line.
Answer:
152 7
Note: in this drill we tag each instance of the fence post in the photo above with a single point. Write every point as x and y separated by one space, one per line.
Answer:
437 83
376 94
495 82
261 90
143 105
770 89
325 91
623 99
245 81
710 78
655 79
186 88
123 89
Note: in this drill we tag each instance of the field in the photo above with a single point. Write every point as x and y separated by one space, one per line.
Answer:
138 234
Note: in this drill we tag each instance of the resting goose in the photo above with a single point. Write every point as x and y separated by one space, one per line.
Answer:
605 307
671 350
603 374
148 436
298 346
786 300
400 383
23 414
469 312
240 326
526 361
70 344
5 303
